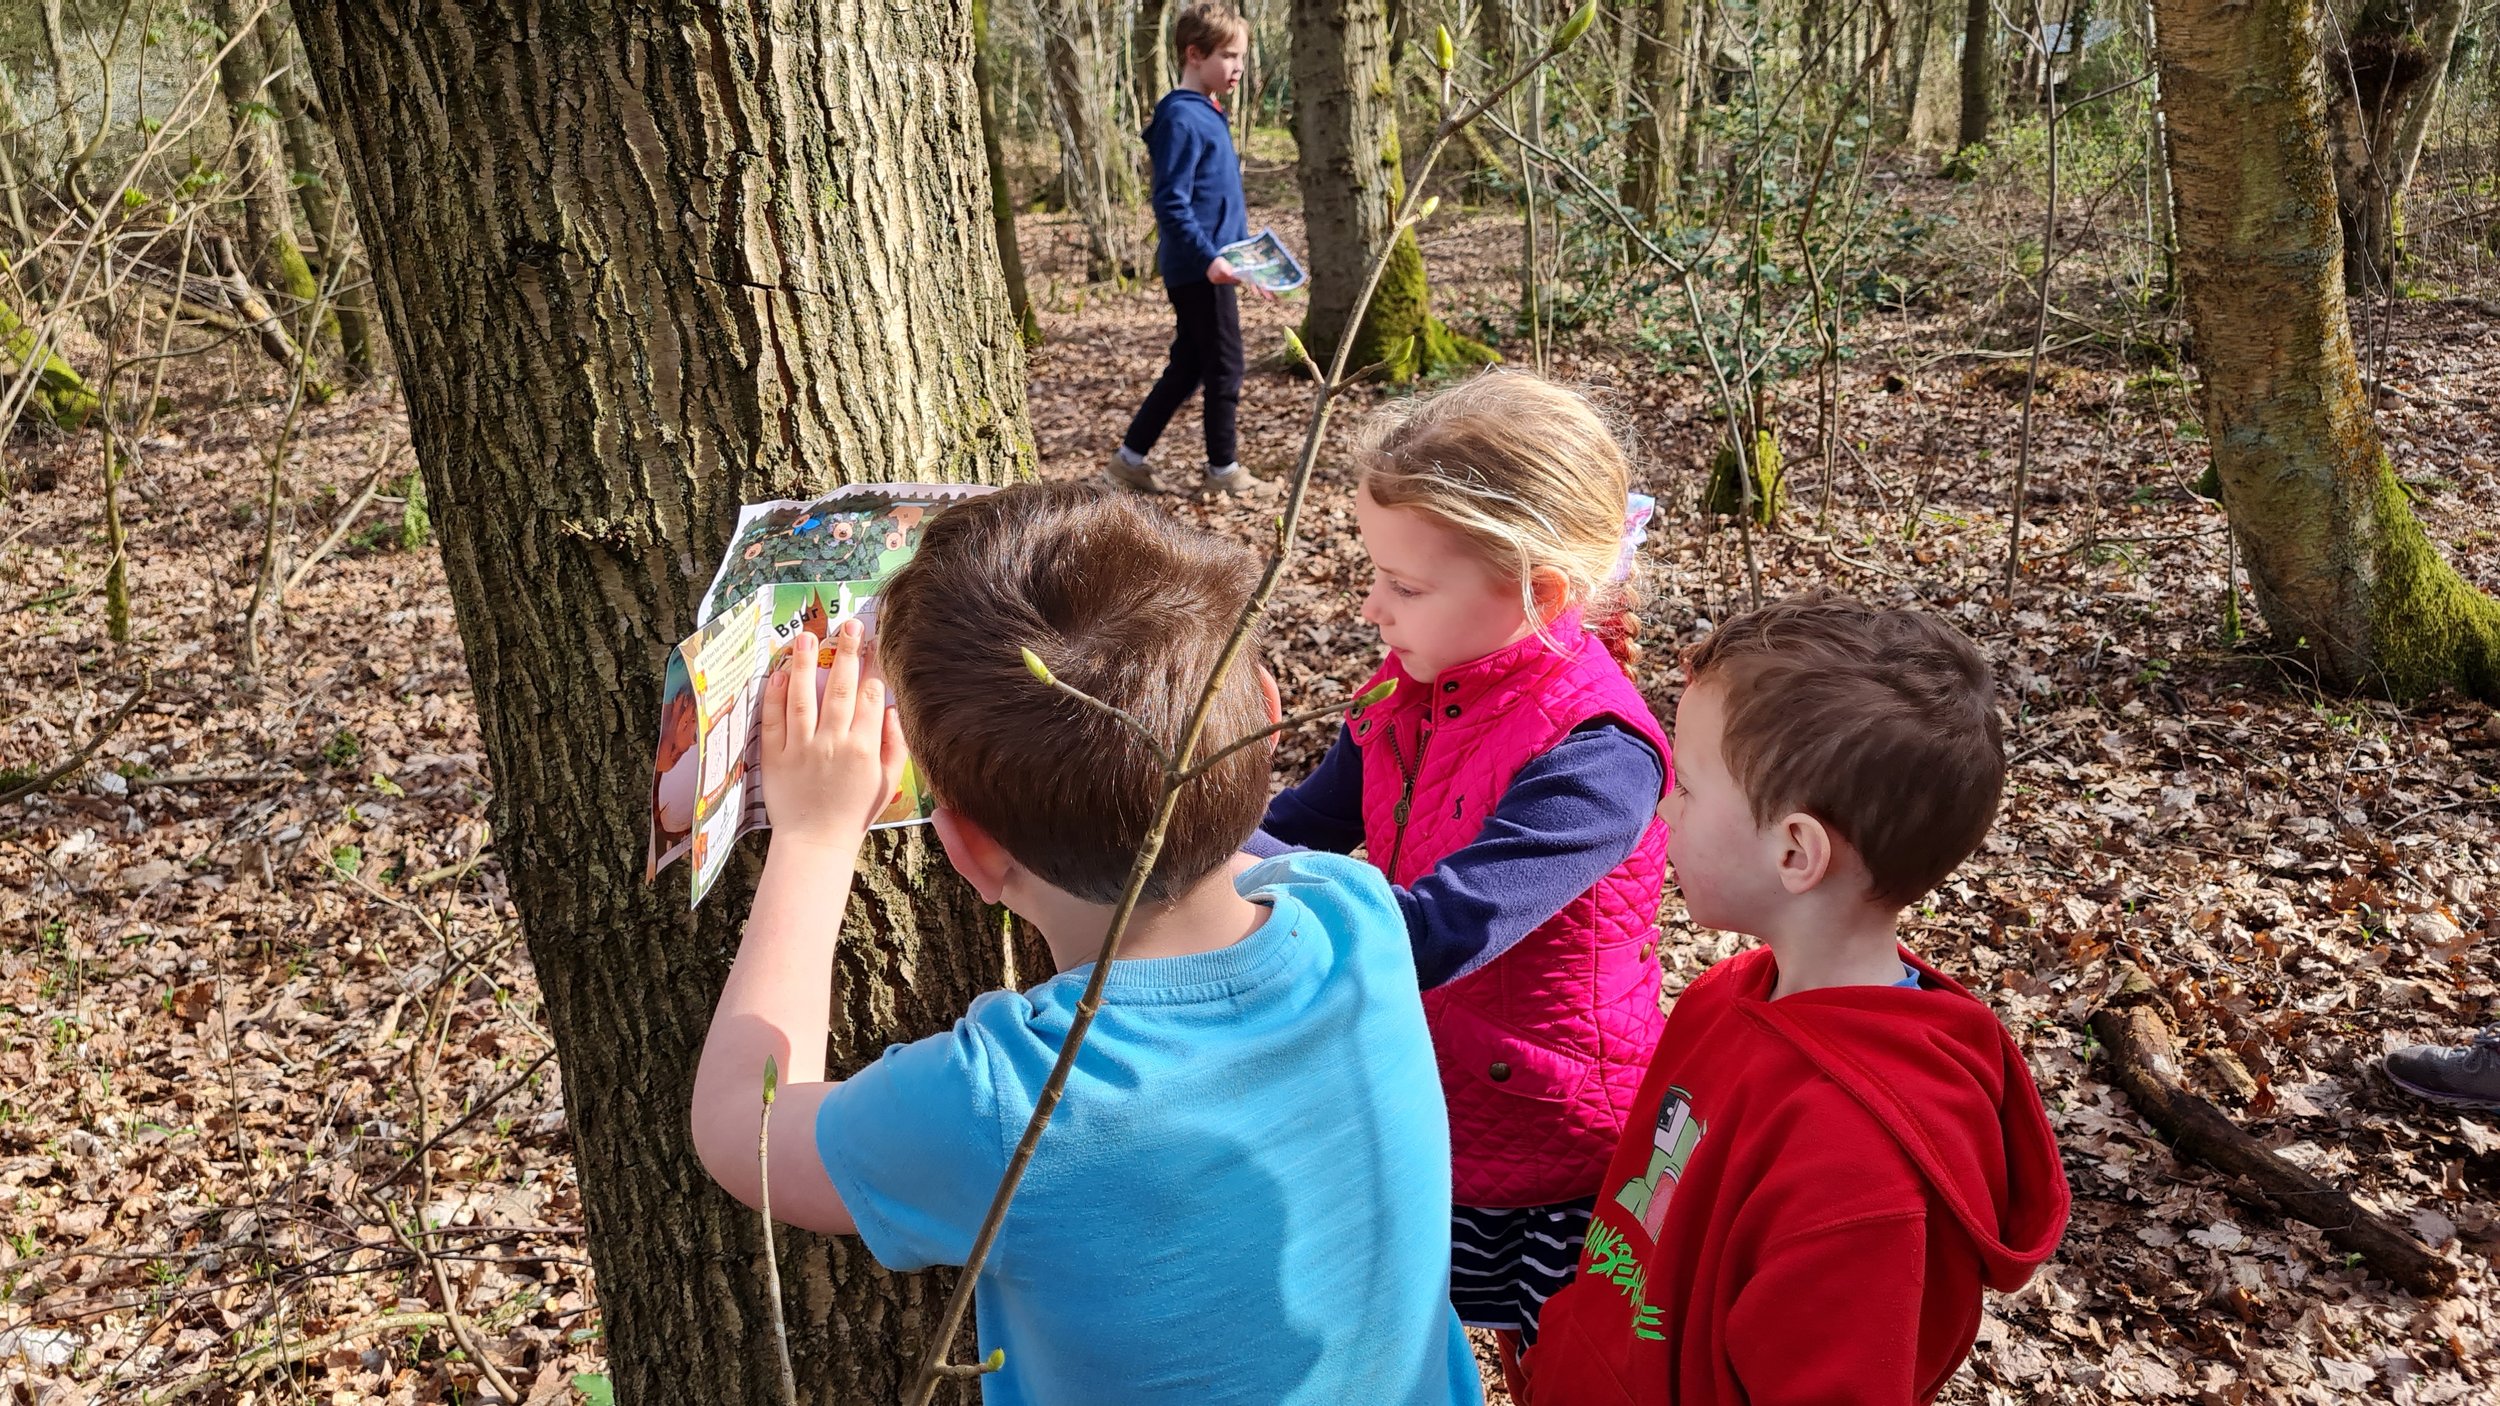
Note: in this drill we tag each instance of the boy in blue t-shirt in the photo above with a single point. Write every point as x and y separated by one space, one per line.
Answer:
1245 1195
1198 210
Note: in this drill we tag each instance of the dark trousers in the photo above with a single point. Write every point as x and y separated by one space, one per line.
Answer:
1206 350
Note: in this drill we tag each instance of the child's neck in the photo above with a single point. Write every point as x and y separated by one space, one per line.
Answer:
1823 941
1208 918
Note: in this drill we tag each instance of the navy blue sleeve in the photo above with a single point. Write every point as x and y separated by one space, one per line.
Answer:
1322 811
1177 149
1567 820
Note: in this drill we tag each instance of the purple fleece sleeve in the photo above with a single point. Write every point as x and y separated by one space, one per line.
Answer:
1568 818
1323 810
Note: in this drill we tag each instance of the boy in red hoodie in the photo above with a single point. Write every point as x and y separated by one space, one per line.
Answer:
1836 1145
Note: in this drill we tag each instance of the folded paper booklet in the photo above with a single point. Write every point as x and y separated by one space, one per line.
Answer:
792 565
1264 260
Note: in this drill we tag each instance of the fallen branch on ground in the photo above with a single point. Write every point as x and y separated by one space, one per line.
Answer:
111 725
2145 1060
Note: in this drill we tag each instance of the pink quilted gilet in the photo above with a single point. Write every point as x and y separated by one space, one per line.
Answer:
1541 1049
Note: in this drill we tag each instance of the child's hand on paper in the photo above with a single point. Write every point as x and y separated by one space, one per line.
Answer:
1221 272
829 764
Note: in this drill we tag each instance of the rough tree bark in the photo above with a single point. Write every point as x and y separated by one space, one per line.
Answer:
1657 127
639 263
2386 60
333 231
274 254
1002 198
2342 569
1345 126
1079 82
1980 79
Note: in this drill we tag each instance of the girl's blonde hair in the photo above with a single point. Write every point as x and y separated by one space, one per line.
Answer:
1526 473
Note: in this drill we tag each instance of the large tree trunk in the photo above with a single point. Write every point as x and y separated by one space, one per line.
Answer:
1002 199
333 230
1658 120
272 251
1980 79
2381 86
2342 568
638 268
1345 126
1079 82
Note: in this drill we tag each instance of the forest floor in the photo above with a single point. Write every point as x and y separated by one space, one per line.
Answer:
258 953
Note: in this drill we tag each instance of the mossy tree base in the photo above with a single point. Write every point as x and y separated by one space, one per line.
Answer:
1725 494
1399 334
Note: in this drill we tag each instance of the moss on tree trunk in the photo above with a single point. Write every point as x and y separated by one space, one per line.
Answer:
1344 123
640 263
2342 569
60 395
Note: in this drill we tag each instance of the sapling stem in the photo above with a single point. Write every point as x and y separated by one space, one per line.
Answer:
772 1255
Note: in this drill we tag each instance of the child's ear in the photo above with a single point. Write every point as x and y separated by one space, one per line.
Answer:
1269 694
1550 589
980 859
1806 852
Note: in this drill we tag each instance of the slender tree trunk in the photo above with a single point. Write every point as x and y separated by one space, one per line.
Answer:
1701 92
1980 79
1150 55
333 230
1658 118
1345 124
1002 199
638 268
2341 567
271 251
1935 115
1078 85
2382 83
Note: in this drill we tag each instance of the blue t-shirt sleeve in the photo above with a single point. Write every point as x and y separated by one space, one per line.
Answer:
915 1146
1322 811
1568 818
1176 149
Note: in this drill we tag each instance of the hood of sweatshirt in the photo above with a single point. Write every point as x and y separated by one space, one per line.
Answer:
1938 1070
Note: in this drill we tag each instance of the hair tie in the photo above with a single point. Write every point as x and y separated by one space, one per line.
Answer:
1637 508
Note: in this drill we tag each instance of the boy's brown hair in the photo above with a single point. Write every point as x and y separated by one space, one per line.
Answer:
1207 27
1117 600
1881 724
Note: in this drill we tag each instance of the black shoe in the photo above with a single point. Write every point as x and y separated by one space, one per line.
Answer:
2461 1076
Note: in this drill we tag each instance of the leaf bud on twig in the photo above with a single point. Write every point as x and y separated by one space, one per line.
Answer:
1575 26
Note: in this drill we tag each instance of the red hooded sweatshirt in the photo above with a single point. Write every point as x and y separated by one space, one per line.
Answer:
1809 1197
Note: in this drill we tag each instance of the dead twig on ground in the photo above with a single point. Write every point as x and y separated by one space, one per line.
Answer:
79 759
2144 1060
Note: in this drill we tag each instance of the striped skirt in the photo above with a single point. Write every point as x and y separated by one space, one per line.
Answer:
1504 1264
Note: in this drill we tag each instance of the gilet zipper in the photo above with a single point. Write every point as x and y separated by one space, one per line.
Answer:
1406 795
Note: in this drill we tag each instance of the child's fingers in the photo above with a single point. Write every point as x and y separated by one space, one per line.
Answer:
770 723
800 667
842 678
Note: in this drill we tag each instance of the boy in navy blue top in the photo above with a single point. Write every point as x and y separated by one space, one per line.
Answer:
1198 210
1245 1195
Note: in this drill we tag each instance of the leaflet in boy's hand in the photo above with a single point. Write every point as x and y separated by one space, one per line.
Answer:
791 565
1263 259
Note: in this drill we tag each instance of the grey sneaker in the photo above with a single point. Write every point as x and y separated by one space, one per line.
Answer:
1232 478
2461 1076
1137 476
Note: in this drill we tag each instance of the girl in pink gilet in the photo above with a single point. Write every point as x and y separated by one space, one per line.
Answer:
1509 788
